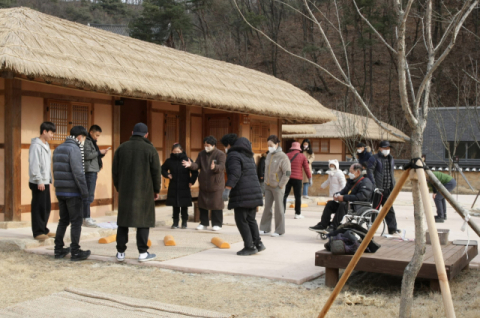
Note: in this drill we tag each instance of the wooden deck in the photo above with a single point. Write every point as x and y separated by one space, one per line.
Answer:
393 257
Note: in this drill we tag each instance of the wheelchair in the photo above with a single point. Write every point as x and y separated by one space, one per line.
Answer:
364 213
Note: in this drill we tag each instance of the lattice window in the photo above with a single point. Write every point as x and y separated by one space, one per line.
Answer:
259 135
65 115
325 146
316 146
218 127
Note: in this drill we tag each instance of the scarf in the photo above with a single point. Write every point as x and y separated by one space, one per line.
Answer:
80 145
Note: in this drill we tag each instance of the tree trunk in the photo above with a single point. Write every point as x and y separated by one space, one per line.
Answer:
411 271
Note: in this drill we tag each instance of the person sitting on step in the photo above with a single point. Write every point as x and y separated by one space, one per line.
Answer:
358 188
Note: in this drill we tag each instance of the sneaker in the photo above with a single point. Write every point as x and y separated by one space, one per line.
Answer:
184 226
439 220
306 197
392 232
275 235
41 237
120 257
201 227
174 227
299 216
317 227
62 253
248 251
50 234
260 247
264 233
145 257
80 255
216 228
89 223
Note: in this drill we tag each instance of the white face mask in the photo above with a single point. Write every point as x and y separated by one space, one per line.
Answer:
226 150
208 149
271 149
305 146
359 150
351 175
333 169
385 152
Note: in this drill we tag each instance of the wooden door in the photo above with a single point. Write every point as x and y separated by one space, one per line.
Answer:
132 111
218 126
171 136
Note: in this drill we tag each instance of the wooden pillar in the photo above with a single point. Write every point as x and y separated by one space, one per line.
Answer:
149 119
115 144
185 128
280 123
12 151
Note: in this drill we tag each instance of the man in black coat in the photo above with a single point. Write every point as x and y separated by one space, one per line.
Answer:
380 171
243 191
358 188
136 176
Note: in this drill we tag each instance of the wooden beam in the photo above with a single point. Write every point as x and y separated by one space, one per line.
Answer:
13 121
66 97
115 144
185 128
149 119
280 124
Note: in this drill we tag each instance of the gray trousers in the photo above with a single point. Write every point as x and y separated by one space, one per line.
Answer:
440 201
273 194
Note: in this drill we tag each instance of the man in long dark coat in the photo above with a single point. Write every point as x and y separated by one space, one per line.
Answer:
137 176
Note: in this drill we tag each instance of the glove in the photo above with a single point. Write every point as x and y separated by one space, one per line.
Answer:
226 194
310 181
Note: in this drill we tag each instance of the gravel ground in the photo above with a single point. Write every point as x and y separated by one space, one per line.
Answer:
26 276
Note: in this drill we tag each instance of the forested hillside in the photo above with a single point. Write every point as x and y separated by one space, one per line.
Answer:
215 29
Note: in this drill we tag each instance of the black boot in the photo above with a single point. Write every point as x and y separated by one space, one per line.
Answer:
248 251
184 224
80 255
62 253
175 224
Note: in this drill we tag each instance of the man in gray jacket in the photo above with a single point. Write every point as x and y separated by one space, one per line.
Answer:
71 189
93 164
277 174
40 178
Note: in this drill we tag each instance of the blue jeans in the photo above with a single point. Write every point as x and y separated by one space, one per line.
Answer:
91 178
305 188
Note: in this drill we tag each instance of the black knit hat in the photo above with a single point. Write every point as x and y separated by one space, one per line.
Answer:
140 129
360 145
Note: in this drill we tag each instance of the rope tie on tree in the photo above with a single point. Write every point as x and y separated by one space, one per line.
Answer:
464 227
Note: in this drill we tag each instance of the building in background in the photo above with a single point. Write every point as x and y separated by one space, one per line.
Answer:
72 74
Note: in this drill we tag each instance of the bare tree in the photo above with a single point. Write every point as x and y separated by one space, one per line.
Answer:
353 128
414 96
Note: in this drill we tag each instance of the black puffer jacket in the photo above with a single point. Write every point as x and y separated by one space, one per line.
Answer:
242 176
68 170
363 191
375 170
179 194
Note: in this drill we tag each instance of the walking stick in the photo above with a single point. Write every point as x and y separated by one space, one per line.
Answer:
437 249
368 237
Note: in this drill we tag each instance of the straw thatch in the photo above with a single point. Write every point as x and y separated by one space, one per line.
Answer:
40 46
298 129
345 126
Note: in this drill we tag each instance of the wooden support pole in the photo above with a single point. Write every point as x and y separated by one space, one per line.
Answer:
436 247
13 149
448 196
115 144
368 238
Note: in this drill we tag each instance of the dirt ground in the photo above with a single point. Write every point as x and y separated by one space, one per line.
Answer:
26 276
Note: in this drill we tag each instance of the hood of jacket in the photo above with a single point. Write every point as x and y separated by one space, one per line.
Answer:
335 163
279 149
38 141
242 145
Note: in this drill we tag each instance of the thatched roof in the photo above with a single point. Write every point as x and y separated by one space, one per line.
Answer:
44 47
346 125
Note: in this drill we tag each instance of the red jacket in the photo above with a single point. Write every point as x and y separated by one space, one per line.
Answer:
297 164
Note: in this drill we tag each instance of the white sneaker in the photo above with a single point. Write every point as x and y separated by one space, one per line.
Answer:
306 197
89 223
264 233
216 228
299 216
201 227
275 234
120 257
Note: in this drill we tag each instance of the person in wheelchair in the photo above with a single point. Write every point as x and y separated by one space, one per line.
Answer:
358 188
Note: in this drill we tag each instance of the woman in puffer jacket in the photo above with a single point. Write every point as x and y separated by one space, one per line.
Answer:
336 178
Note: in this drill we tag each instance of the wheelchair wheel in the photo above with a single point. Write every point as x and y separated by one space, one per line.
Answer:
367 219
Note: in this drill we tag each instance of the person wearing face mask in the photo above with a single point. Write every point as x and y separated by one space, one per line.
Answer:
362 154
308 153
181 180
380 170
71 189
336 178
277 174
358 188
211 163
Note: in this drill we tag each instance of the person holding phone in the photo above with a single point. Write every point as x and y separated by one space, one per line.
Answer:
93 165
211 163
